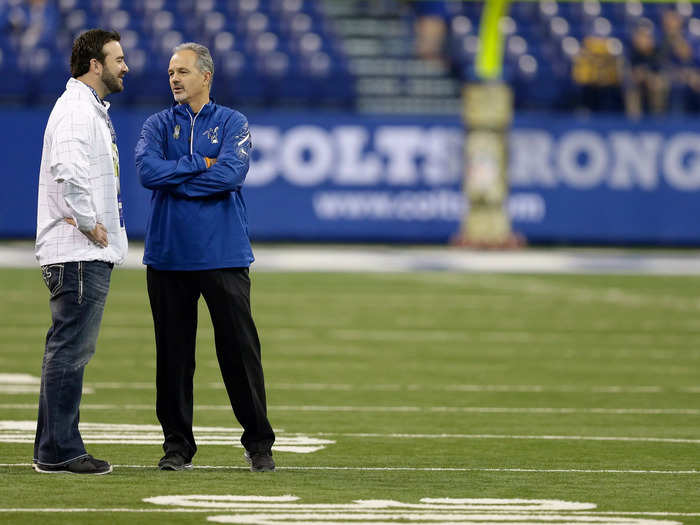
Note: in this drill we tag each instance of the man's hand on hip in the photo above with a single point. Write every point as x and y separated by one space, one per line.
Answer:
97 235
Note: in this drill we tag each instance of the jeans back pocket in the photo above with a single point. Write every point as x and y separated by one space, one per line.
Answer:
53 277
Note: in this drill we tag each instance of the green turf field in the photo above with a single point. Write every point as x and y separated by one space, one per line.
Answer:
452 396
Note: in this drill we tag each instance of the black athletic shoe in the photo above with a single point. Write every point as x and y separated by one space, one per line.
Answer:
84 465
174 461
260 461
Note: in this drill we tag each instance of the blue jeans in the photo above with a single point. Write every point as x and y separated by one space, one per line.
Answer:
78 293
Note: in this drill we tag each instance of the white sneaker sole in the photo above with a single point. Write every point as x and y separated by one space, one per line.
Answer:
38 469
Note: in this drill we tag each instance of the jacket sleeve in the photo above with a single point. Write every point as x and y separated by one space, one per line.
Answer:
70 165
81 206
231 168
155 171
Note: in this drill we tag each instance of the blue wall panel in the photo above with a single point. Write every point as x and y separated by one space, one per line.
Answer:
343 177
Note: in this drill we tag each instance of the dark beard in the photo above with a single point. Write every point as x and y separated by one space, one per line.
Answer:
111 82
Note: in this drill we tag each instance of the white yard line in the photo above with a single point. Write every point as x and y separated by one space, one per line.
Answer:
396 387
612 513
399 435
490 410
415 515
400 409
534 285
419 469
505 436
135 511
507 336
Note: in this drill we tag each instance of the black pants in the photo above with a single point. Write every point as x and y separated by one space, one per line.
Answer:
174 296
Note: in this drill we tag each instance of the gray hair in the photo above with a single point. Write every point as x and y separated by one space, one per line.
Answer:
204 61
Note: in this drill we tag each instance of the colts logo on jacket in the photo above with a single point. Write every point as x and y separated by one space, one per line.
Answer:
212 133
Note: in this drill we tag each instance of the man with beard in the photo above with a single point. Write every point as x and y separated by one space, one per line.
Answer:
80 237
194 157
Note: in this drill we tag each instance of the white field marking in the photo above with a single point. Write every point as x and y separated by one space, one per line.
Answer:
559 291
209 511
498 410
606 389
420 469
226 502
428 510
118 434
445 504
18 389
97 406
402 409
315 518
359 518
105 510
608 295
671 514
281 447
597 327
346 387
19 379
477 334
14 384
497 336
503 436
114 385
31 389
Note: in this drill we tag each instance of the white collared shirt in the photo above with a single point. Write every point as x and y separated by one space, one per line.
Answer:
78 159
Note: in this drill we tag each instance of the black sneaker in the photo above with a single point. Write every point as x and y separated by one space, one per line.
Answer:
84 465
260 461
174 461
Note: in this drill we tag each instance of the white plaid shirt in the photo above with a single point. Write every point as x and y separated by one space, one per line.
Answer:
78 178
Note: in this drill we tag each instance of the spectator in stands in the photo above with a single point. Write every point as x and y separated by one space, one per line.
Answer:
646 83
80 236
679 65
194 156
597 70
430 29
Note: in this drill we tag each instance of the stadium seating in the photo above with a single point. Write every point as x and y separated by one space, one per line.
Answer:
543 39
305 53
266 52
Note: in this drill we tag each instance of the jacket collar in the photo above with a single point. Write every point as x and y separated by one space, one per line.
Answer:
185 109
75 85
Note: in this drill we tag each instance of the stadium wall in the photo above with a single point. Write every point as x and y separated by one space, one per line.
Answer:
350 178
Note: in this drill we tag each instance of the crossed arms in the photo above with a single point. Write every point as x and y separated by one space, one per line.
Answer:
194 175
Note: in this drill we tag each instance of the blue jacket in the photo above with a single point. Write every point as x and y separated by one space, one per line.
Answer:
198 218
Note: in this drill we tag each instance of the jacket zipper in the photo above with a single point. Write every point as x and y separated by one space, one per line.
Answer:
192 121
